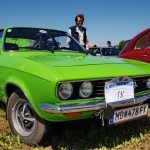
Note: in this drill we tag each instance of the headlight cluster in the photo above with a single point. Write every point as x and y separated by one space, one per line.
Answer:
65 90
83 90
86 89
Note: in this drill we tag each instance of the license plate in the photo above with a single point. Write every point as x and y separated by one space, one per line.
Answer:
119 89
124 115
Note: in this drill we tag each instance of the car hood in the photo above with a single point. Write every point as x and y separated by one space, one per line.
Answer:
77 66
56 60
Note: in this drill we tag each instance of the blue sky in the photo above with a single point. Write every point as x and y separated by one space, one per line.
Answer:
113 20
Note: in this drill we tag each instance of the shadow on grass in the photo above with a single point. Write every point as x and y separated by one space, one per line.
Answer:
2 106
90 134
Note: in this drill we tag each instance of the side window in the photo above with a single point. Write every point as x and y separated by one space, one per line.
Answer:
141 43
148 43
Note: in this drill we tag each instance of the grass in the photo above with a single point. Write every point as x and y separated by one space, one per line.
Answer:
84 135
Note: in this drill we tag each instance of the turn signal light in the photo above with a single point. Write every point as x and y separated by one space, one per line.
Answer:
72 115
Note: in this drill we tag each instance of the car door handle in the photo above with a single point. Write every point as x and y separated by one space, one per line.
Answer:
144 55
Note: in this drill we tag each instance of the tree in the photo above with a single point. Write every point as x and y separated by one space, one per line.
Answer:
122 44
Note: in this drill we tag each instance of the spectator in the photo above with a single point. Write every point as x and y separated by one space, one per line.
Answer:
109 44
79 32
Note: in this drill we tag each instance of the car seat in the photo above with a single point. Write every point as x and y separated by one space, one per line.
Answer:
11 46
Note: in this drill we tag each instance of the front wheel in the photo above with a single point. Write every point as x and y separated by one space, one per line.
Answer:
24 121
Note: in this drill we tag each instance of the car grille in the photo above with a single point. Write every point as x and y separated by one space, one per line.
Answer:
140 85
99 86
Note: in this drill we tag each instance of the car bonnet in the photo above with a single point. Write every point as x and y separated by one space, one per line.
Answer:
56 60
86 66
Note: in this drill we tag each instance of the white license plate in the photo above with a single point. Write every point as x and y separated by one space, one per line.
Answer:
127 114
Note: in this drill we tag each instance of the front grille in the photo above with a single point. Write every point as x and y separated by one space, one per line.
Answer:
140 85
99 86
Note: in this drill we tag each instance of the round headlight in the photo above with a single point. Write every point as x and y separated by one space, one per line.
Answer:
86 89
148 83
65 90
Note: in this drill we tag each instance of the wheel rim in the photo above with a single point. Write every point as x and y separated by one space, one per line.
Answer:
23 118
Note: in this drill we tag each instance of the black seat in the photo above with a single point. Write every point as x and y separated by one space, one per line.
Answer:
11 46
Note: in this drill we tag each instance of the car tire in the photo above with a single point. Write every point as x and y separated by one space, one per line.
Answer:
23 120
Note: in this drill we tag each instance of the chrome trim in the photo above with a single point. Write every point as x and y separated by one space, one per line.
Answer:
61 109
131 102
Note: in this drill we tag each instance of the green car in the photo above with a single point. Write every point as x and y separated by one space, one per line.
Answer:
46 76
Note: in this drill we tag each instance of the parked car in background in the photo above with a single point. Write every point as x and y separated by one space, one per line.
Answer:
138 48
104 51
46 76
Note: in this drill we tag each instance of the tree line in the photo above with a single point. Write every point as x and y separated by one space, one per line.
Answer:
122 44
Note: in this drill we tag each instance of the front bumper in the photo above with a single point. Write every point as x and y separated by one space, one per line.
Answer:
91 106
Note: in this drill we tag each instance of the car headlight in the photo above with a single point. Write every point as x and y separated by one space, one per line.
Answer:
65 91
148 83
86 89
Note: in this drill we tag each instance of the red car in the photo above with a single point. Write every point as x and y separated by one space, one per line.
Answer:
138 48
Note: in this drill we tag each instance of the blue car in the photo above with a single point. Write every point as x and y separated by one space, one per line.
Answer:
104 51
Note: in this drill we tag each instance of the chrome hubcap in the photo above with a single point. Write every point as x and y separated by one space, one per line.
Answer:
23 118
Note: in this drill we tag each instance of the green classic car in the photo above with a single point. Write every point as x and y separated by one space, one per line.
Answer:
46 76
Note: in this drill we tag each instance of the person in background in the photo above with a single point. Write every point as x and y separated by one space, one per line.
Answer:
109 44
95 46
79 32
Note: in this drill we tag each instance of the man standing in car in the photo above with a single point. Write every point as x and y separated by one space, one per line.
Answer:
79 32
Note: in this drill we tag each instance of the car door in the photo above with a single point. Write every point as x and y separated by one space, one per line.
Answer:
138 48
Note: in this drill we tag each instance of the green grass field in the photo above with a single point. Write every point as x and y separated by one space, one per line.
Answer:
84 135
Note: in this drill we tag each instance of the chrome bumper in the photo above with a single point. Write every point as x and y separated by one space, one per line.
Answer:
70 108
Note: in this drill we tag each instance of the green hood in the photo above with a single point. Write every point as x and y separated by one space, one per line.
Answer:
78 59
82 66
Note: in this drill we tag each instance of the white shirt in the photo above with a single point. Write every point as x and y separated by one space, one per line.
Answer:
81 34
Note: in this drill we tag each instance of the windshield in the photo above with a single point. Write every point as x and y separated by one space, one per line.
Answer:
27 39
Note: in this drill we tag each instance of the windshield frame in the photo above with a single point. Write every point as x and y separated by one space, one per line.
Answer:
18 32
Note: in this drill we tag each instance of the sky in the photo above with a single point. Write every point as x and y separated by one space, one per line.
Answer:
113 20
